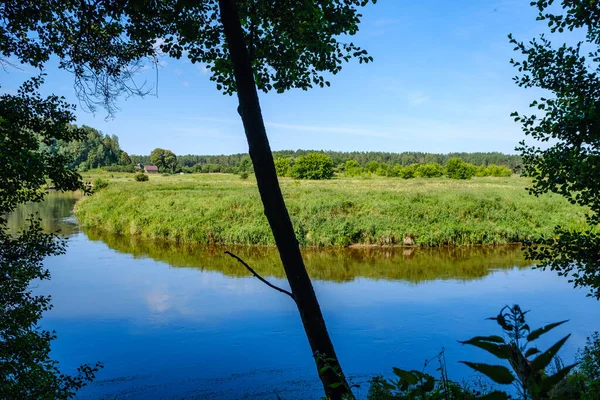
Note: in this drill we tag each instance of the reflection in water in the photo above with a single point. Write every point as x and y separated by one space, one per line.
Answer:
339 265
208 330
56 213
335 264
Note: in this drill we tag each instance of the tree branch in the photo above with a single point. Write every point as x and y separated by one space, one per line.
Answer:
249 268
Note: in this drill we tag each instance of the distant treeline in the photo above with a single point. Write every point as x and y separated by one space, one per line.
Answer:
96 150
241 162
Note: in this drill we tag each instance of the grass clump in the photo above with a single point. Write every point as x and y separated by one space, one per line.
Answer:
100 184
141 177
223 209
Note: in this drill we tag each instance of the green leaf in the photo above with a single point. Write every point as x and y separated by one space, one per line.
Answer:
531 351
551 381
501 351
406 376
335 385
494 339
497 373
429 384
539 332
542 361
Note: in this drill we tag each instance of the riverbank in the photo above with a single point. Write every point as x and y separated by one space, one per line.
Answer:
224 209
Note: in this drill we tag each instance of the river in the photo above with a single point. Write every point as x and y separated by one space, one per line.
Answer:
181 321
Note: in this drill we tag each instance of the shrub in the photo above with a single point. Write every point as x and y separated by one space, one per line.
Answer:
244 175
99 184
141 177
498 170
352 168
481 171
282 166
372 166
313 166
458 169
430 170
407 172
383 170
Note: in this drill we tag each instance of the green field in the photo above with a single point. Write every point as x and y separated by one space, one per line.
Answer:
224 209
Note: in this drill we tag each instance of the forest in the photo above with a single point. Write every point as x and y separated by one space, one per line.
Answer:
97 150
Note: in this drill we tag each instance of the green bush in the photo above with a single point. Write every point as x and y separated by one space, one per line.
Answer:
430 170
407 172
353 168
493 170
244 175
458 169
372 166
99 184
141 177
481 171
282 166
313 166
383 170
498 170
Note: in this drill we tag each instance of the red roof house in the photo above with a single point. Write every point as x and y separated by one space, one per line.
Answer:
151 169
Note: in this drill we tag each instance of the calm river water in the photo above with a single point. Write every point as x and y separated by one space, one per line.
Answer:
178 322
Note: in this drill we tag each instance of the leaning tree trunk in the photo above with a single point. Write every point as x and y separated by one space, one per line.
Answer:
334 382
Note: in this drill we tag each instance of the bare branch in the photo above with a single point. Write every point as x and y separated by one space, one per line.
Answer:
249 268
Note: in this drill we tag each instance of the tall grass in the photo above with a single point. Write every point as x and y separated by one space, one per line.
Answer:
222 209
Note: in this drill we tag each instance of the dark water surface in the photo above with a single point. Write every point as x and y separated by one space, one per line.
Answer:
173 321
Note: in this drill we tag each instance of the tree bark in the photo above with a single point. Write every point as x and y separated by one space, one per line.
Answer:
334 382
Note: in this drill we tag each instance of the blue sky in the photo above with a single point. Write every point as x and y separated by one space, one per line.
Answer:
441 82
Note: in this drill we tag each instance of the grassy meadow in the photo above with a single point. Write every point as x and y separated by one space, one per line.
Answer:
224 209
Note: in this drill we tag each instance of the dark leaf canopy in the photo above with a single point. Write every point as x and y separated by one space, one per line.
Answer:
567 122
29 127
292 43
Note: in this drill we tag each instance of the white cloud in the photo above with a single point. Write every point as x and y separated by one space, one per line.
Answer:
203 68
418 98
